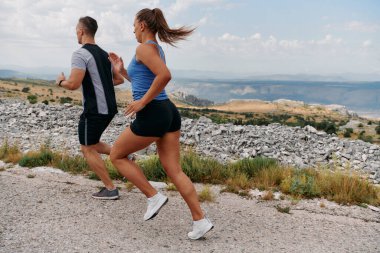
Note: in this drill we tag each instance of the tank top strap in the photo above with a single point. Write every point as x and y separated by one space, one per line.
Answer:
161 52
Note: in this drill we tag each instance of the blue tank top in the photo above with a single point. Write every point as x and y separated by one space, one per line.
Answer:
142 77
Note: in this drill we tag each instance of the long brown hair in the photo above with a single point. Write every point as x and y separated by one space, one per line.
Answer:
156 22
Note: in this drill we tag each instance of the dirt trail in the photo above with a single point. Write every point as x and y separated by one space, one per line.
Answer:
55 213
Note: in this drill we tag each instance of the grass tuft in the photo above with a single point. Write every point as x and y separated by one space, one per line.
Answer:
129 186
206 195
152 168
268 195
171 187
10 153
285 209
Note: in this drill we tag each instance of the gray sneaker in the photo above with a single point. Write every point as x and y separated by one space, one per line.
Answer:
104 193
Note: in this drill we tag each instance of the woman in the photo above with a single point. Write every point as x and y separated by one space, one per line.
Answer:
157 118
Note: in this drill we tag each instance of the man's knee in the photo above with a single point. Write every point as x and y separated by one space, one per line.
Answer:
87 149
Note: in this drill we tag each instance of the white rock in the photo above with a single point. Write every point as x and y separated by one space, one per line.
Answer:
373 208
310 129
277 195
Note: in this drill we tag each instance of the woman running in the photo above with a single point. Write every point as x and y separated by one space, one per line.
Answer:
157 118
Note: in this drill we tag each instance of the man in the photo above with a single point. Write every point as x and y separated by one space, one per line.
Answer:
91 69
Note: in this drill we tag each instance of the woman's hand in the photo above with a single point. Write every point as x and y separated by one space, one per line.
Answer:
133 108
116 61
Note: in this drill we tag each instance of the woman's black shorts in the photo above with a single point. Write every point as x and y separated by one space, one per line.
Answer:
157 118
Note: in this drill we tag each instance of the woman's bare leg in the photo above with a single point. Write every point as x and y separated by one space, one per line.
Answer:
168 151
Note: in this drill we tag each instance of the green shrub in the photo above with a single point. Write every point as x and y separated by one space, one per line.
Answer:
64 100
32 99
152 168
35 159
205 170
377 129
348 132
251 166
25 89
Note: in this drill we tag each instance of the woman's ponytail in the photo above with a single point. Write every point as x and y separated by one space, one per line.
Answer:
156 23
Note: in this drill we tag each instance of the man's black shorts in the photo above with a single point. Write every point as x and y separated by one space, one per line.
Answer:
91 127
157 118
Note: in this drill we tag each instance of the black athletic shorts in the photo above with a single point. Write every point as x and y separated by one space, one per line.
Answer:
91 127
157 118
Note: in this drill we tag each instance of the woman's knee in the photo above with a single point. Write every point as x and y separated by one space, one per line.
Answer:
116 156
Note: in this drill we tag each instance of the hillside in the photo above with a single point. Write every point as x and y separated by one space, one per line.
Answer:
292 113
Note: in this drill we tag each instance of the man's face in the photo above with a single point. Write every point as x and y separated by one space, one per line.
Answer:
80 32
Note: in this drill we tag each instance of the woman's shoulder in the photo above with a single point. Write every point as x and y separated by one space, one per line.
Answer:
145 48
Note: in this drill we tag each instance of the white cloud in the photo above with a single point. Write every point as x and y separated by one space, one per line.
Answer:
327 40
367 43
256 36
361 26
229 37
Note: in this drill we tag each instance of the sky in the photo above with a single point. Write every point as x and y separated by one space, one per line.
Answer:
232 36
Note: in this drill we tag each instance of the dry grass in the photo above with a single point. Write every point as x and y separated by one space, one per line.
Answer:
343 187
206 195
239 181
129 186
171 187
50 92
268 195
10 153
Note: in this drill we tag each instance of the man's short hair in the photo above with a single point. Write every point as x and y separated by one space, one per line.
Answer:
89 24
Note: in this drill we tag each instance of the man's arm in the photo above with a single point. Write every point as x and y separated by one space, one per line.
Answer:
74 81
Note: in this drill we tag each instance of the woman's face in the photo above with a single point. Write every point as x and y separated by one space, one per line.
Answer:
137 29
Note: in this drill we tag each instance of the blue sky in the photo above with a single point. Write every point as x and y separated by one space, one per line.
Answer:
248 37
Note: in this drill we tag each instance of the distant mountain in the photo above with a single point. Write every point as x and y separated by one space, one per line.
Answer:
7 73
191 99
213 75
44 73
50 73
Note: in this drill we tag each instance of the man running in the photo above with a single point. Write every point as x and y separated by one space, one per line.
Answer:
91 69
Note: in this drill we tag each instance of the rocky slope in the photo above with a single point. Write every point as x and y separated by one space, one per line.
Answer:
33 125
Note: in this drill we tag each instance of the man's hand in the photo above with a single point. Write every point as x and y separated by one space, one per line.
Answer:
60 77
116 61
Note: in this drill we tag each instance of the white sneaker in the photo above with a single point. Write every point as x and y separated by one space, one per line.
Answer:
200 228
154 205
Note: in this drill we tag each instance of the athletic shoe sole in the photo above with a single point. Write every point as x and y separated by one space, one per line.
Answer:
203 234
106 198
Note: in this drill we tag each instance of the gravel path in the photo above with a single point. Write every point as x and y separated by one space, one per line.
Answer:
55 213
